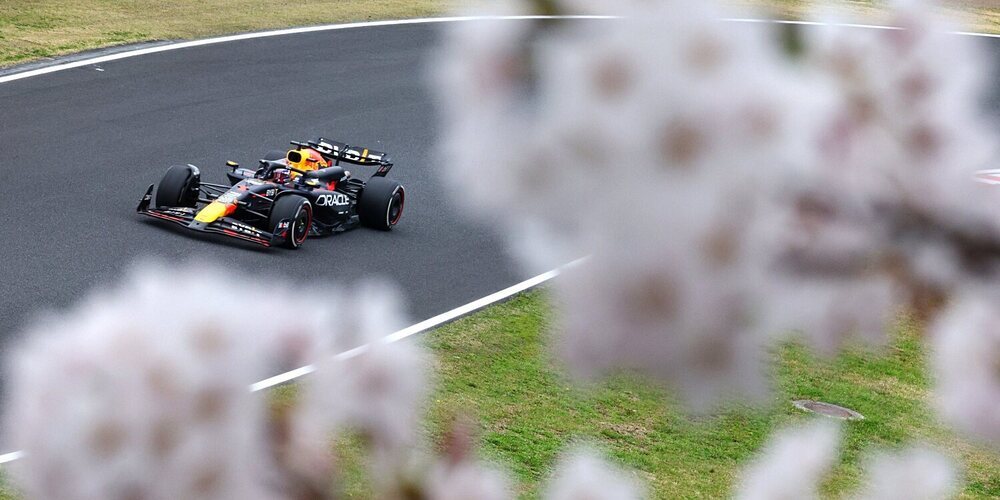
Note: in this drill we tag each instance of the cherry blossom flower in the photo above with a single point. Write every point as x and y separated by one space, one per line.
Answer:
467 479
916 473
582 475
726 191
121 396
966 360
648 168
792 463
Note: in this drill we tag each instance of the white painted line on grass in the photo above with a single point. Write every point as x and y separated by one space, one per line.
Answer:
368 24
263 34
844 25
991 176
808 23
479 304
424 325
282 378
10 457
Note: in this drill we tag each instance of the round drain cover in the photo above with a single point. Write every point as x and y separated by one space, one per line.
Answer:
827 409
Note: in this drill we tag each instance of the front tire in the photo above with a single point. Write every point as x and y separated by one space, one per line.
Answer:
380 204
296 209
179 187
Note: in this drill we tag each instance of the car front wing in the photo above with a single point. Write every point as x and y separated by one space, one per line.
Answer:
226 226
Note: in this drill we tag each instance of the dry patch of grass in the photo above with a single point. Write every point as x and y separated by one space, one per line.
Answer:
981 16
32 29
35 29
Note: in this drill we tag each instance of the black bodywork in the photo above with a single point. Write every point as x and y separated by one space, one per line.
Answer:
332 192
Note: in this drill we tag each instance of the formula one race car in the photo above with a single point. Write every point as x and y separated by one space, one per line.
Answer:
291 195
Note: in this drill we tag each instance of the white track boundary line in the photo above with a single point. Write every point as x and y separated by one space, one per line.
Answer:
991 176
369 24
403 334
264 34
423 326
810 23
845 25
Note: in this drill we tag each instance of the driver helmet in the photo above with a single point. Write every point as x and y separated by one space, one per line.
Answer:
305 159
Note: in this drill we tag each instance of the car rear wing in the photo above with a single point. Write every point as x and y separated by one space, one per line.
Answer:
340 151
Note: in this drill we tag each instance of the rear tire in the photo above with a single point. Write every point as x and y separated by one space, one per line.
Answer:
380 204
179 187
296 209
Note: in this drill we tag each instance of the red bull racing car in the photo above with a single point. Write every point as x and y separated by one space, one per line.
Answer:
291 195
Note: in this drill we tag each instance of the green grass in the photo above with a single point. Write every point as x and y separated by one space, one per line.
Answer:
981 16
496 366
33 29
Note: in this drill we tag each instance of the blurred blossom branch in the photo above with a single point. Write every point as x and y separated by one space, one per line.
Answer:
732 190
731 184
119 398
796 460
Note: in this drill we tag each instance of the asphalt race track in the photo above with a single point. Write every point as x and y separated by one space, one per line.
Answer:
78 147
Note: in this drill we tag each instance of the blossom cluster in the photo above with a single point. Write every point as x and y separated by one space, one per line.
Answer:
144 390
793 465
639 151
124 396
730 182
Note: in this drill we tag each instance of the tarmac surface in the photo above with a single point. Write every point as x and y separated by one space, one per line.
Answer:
78 148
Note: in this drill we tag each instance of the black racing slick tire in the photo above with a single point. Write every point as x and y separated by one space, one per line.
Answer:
275 155
299 212
179 187
380 204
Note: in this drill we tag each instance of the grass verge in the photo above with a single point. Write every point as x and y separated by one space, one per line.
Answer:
33 29
980 16
495 365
